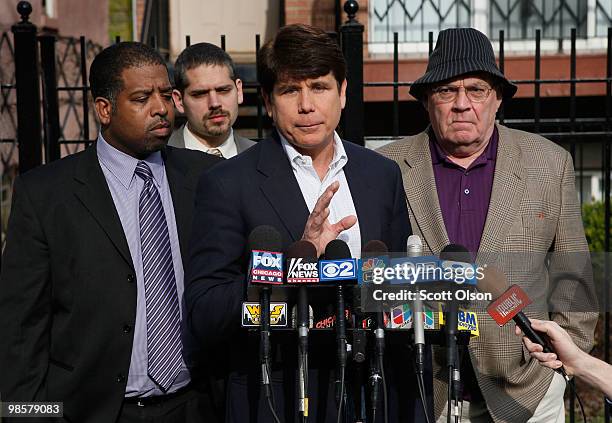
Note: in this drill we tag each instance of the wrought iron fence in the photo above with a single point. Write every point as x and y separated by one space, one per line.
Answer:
8 127
77 119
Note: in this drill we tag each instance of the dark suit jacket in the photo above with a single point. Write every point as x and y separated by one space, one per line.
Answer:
256 188
67 287
177 140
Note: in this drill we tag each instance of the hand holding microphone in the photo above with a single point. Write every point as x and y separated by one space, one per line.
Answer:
509 304
566 353
577 363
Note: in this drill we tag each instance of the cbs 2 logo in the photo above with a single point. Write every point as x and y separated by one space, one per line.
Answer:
339 269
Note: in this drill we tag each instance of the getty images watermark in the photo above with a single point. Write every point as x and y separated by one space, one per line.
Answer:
428 279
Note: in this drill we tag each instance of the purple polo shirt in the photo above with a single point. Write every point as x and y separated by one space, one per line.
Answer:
464 194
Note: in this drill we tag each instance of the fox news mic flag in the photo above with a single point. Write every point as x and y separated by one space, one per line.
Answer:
266 267
302 268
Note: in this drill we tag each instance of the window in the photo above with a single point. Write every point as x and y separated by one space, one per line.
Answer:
520 18
413 20
49 7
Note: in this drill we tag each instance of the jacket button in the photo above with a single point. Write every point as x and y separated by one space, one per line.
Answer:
120 378
127 328
130 278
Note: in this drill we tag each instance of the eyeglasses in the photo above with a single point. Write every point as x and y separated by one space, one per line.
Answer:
448 93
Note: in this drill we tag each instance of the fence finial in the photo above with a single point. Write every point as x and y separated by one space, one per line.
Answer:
351 7
24 8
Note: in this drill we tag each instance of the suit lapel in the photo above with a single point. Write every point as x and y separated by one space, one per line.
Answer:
182 195
176 139
360 188
92 190
281 188
422 193
242 143
506 194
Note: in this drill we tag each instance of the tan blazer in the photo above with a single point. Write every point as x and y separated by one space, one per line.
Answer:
533 210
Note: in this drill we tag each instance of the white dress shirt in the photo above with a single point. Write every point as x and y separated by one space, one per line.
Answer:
312 187
228 148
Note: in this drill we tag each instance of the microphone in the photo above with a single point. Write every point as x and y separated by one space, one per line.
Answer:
302 268
374 249
414 248
457 253
337 267
509 304
266 265
367 265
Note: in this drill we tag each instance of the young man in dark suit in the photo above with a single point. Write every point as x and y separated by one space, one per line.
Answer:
208 92
308 184
92 273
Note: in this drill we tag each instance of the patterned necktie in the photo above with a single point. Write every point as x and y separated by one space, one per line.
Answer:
215 152
162 305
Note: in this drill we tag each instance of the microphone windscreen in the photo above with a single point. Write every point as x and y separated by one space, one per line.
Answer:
302 249
266 238
337 250
456 252
414 241
374 248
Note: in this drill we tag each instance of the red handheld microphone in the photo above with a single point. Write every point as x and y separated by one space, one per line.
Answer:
509 304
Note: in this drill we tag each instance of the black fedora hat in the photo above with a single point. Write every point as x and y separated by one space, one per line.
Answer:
460 51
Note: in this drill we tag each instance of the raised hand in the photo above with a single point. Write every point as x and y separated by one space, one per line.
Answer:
318 229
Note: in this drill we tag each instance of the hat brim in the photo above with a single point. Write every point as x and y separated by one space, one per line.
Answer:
447 71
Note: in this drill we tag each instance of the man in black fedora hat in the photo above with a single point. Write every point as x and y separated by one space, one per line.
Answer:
495 190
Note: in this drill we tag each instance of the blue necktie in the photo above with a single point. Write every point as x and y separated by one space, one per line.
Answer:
162 305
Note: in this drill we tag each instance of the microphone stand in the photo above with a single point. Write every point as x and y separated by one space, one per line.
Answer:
378 376
264 341
303 326
264 351
451 356
341 347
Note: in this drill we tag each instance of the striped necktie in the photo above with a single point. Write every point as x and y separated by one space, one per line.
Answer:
162 305
215 152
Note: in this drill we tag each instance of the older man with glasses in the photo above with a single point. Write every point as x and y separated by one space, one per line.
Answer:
500 193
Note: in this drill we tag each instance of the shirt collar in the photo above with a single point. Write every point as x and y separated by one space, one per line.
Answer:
123 166
227 148
338 161
439 156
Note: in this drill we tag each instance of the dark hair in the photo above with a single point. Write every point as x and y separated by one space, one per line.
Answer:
299 52
197 55
106 69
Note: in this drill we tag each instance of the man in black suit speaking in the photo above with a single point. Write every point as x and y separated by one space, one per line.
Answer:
308 184
92 274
